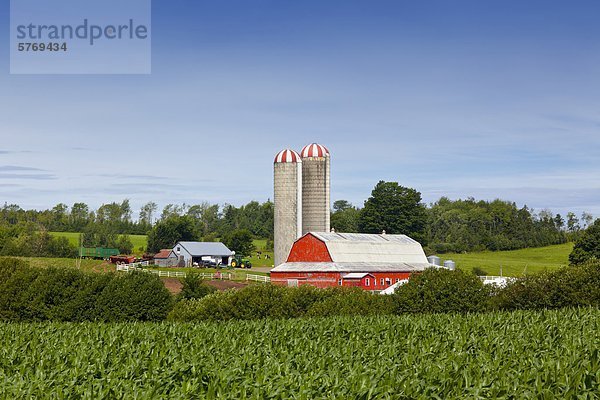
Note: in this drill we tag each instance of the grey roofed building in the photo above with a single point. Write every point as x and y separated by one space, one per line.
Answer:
191 252
372 248
358 253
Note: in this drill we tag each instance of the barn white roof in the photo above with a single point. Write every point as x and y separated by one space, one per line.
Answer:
369 248
359 252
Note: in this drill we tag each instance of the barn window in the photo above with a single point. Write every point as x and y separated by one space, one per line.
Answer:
367 282
382 281
339 282
388 281
397 280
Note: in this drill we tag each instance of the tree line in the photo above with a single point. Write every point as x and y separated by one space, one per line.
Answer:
26 232
456 225
444 226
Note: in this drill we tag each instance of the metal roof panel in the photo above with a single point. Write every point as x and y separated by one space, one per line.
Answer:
205 248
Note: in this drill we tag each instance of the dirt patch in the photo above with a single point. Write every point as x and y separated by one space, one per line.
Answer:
104 267
174 285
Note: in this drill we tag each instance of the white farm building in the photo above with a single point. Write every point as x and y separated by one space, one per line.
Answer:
189 253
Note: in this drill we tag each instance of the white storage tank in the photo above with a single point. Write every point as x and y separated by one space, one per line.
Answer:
315 189
451 265
434 260
287 203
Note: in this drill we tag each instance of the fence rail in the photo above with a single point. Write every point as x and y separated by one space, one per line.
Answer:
132 266
258 278
168 274
500 281
175 274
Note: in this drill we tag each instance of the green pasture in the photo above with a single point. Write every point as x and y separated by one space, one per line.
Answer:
104 266
261 245
239 274
513 262
138 241
84 264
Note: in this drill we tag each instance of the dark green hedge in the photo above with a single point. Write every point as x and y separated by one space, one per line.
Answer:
62 294
567 287
442 290
270 301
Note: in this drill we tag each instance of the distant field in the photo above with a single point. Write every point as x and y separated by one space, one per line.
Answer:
514 262
85 265
104 266
139 241
260 245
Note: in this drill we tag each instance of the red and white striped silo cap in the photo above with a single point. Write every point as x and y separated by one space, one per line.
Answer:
314 150
287 156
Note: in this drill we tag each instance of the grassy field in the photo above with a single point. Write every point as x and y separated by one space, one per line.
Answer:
543 355
261 245
514 262
103 266
238 273
85 265
139 241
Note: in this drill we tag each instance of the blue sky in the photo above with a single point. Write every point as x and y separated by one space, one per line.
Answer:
490 99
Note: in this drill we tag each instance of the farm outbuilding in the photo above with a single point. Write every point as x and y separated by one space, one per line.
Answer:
372 262
189 253
165 258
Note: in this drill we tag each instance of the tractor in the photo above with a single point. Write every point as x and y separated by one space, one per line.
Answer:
239 262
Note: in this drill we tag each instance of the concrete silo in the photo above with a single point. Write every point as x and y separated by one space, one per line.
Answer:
315 189
288 203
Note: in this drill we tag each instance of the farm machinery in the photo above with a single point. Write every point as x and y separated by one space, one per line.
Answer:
240 262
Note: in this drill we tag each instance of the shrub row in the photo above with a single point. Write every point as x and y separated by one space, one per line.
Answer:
432 291
63 294
32 294
577 286
270 301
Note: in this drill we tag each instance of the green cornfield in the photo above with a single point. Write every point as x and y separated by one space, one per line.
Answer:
545 355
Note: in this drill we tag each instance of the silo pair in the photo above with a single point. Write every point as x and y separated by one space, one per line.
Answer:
302 200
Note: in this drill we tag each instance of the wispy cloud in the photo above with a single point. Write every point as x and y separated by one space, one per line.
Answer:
39 177
14 151
128 176
9 168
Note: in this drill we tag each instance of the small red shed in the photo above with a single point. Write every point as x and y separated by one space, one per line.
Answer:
371 262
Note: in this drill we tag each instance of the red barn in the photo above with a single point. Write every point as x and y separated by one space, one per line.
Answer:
371 262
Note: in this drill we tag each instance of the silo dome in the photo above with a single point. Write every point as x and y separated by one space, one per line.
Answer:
314 150
287 156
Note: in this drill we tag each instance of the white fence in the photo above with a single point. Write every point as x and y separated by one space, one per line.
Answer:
132 266
174 274
258 278
499 281
168 274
